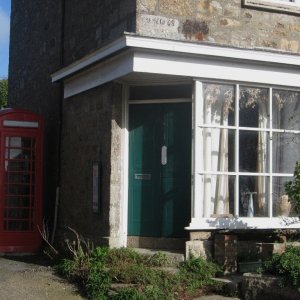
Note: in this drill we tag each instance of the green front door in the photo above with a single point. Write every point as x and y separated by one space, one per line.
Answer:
159 169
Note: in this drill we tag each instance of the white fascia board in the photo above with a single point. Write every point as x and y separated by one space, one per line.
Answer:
177 47
210 68
106 71
90 59
244 223
216 51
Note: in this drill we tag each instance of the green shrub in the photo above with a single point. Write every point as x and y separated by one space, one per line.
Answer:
198 272
65 268
292 188
286 265
98 280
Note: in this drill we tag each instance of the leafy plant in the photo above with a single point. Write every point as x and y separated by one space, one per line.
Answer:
287 265
198 272
292 188
3 92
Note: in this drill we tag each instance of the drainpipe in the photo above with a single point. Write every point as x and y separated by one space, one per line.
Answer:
60 119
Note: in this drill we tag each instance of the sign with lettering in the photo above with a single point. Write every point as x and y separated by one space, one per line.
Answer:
158 25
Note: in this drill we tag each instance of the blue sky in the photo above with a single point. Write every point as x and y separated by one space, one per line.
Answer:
4 36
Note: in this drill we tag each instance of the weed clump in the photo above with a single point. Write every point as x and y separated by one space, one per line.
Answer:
145 277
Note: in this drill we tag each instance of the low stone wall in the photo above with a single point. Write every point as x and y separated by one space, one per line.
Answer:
259 287
225 248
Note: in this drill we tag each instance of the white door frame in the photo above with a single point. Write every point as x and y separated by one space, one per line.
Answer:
125 152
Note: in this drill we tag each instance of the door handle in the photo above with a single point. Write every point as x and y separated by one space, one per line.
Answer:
164 154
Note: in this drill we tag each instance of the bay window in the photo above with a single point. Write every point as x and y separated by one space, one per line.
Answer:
247 141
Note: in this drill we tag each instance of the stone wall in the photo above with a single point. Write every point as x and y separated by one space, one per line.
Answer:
34 54
92 133
90 23
37 50
223 22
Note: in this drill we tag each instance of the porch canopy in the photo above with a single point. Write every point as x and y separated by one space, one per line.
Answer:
239 80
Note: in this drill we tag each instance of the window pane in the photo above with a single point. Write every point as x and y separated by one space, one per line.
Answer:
254 195
254 151
219 104
218 149
286 110
286 151
253 105
281 205
218 192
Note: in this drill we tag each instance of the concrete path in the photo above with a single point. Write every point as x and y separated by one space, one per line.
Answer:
21 280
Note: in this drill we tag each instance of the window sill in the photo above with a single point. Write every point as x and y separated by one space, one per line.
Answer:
275 5
244 223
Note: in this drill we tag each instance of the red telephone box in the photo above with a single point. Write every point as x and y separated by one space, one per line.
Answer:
21 143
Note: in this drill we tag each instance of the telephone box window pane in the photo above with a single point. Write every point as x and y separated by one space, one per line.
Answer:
281 204
17 213
17 177
18 226
17 201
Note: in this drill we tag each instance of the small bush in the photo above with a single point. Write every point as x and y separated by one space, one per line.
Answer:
286 265
198 272
98 280
292 188
65 268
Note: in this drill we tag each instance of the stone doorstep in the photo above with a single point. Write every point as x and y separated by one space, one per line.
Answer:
231 283
175 257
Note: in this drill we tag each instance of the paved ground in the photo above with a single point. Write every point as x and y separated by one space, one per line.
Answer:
32 280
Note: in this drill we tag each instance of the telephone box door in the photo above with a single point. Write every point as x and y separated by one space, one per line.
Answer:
21 182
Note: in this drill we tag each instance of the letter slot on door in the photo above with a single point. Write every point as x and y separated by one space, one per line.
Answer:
142 176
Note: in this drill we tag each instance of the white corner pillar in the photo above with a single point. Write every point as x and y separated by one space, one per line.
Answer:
197 149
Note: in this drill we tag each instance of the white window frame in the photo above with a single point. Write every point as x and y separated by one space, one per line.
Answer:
276 5
201 212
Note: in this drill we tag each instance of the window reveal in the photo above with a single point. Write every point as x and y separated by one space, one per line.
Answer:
250 143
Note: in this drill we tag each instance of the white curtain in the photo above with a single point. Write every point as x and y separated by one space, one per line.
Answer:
216 188
262 159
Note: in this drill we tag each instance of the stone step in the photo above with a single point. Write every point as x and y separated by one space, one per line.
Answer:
174 257
231 283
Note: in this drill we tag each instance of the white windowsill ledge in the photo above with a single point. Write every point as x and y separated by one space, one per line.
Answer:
244 223
276 5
